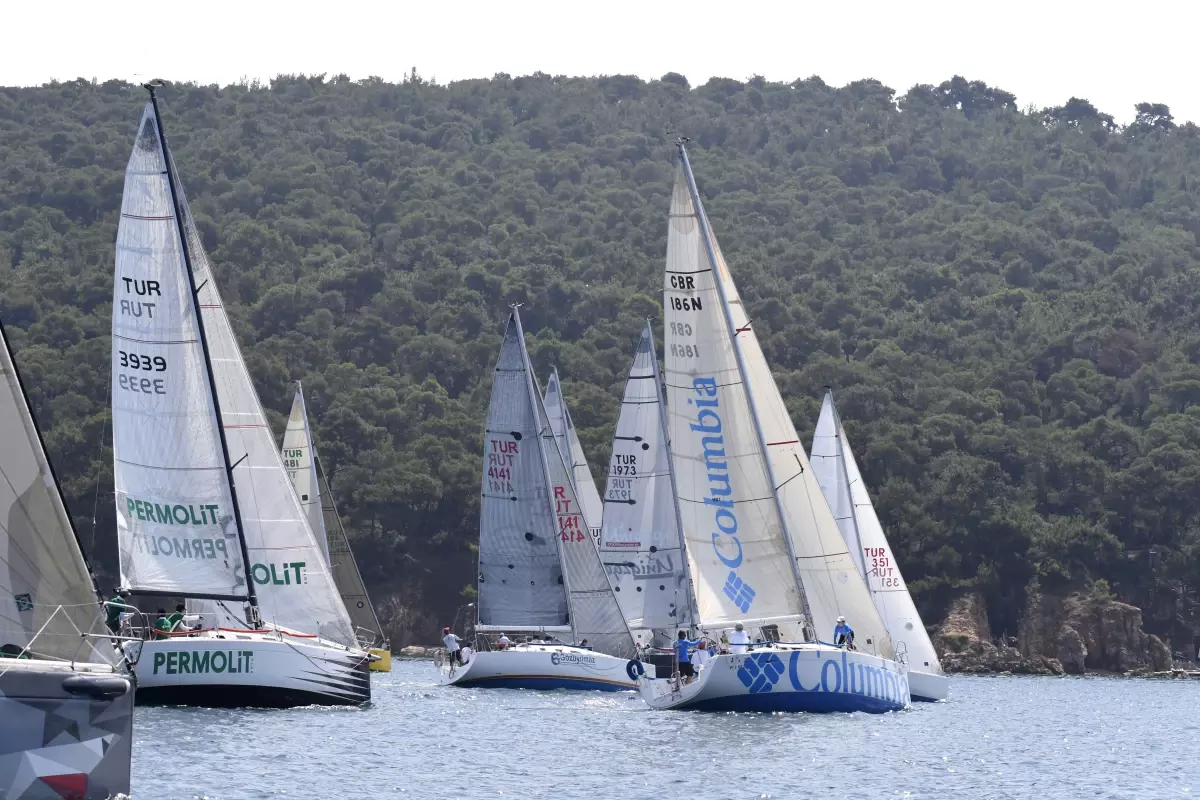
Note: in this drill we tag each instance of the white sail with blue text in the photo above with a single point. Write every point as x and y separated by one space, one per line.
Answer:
762 545
641 543
837 472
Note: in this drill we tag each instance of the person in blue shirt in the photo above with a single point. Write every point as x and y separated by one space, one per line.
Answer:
843 634
681 655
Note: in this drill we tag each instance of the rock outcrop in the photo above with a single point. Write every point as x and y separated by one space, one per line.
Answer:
964 644
1090 633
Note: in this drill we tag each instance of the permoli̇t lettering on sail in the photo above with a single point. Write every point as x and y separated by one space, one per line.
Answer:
286 573
725 541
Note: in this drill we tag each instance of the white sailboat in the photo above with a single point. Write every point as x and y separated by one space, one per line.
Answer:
572 452
641 542
203 500
539 570
301 461
841 482
66 696
762 546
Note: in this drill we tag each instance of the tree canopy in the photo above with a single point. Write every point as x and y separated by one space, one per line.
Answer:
1005 300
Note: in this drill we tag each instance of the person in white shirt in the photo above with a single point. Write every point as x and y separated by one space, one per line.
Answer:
701 657
503 641
452 647
738 639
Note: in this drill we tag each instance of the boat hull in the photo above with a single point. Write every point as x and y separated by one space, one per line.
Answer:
544 668
63 732
927 687
802 678
251 671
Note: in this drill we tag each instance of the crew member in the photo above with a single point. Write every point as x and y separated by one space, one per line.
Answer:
452 646
503 641
681 655
162 625
843 634
176 619
701 656
738 639
115 608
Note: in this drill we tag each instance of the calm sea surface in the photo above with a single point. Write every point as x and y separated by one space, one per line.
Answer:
1010 737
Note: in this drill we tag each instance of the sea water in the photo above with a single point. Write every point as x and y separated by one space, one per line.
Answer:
997 737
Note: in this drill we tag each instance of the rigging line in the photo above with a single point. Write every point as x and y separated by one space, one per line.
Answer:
99 473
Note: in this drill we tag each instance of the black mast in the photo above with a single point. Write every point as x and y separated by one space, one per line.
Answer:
251 596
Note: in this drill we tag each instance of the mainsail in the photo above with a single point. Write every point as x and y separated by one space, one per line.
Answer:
572 452
837 471
300 460
173 481
520 575
739 465
46 588
640 542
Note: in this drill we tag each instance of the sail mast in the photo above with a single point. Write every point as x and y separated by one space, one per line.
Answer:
693 606
251 595
535 399
706 236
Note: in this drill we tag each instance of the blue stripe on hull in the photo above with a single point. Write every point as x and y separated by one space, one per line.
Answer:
796 701
544 684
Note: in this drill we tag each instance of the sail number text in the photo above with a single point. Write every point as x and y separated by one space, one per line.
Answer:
881 568
686 304
139 383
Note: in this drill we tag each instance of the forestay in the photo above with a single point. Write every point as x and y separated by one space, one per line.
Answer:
175 521
735 543
520 574
837 471
640 542
826 571
298 460
572 451
46 588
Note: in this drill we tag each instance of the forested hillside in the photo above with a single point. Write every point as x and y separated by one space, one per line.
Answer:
1006 301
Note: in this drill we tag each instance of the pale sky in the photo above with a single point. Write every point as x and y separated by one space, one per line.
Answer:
1114 55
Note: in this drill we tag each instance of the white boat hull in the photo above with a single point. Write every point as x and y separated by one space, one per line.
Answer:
544 667
928 687
239 670
787 678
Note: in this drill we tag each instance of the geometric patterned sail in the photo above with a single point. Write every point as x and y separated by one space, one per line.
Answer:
837 471
46 589
572 451
175 522
640 541
521 581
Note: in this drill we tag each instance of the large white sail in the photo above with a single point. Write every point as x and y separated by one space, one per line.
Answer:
838 474
170 468
640 541
298 460
520 574
826 570
572 451
735 541
46 589
175 518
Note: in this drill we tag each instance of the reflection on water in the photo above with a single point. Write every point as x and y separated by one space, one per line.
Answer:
1012 737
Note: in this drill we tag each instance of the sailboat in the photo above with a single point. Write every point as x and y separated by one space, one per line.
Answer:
762 545
301 461
572 452
842 483
641 542
205 509
66 694
539 570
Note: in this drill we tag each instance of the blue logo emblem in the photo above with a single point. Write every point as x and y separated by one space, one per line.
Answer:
554 659
739 592
760 672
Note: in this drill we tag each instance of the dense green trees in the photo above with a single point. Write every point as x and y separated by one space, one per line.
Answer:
1006 302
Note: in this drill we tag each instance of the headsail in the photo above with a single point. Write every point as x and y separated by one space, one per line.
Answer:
46 588
520 575
641 543
572 452
175 517
837 471
298 460
345 568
